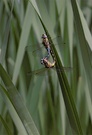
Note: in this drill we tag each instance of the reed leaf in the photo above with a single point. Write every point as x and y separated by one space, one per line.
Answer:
68 99
17 103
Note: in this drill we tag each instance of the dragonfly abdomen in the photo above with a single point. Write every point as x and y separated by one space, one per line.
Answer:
52 54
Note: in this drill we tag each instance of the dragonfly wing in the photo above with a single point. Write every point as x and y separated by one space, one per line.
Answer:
64 69
58 41
34 48
47 71
37 72
38 47
42 72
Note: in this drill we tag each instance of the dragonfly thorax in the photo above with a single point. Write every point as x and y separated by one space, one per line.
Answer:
48 64
45 42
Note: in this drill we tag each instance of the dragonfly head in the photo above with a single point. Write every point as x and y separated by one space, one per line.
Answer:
44 36
45 61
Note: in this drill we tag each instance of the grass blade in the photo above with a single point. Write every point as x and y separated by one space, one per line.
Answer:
84 40
22 43
4 46
68 99
6 126
17 102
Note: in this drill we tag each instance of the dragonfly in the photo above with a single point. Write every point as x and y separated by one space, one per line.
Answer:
37 49
48 67
44 60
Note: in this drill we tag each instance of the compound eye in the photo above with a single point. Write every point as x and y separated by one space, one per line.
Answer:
44 36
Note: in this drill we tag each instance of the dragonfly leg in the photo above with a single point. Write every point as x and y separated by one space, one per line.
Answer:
42 61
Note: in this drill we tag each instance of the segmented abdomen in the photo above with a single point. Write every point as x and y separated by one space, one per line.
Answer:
52 54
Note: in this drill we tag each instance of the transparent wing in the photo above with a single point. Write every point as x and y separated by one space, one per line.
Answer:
46 71
36 49
58 41
37 72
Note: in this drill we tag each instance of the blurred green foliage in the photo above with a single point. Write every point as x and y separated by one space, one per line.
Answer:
48 103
